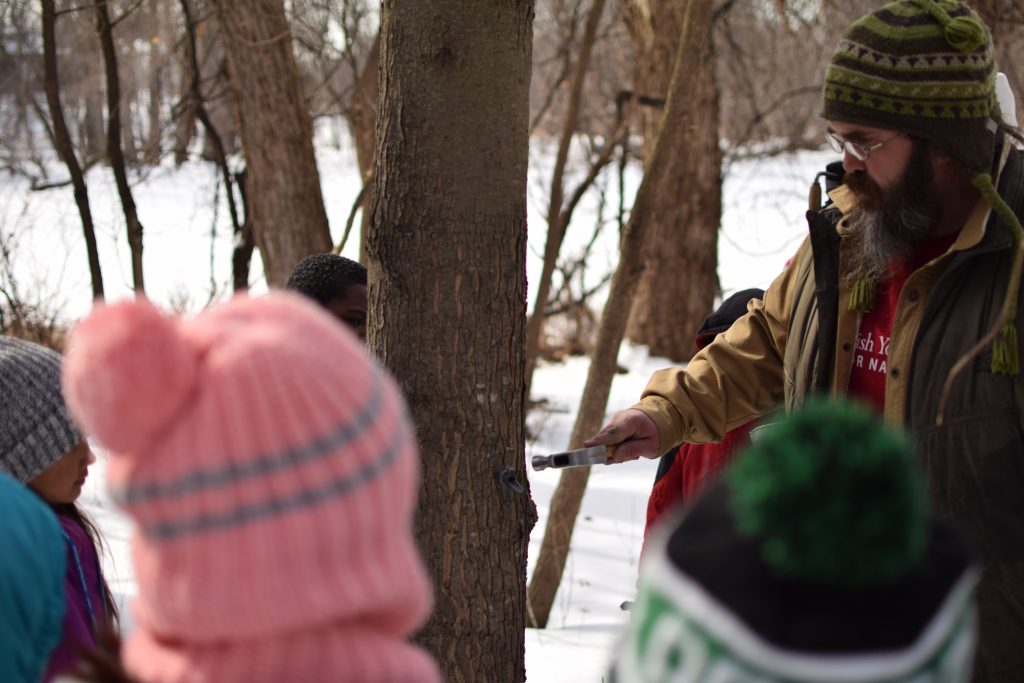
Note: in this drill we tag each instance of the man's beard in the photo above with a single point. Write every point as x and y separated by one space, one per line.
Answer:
888 226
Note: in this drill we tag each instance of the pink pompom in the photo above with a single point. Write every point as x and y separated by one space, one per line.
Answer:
127 373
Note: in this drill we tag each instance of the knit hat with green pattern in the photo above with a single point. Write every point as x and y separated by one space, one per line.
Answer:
927 68
813 559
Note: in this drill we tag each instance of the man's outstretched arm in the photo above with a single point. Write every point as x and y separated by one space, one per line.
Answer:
735 379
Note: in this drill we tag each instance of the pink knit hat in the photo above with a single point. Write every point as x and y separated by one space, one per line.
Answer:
272 472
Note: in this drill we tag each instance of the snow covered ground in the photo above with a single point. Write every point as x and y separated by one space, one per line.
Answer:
187 263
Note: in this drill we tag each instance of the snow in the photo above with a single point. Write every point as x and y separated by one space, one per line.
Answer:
764 203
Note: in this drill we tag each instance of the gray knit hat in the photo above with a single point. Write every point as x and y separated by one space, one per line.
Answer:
35 428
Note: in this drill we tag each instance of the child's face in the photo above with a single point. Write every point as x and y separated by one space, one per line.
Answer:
62 481
351 309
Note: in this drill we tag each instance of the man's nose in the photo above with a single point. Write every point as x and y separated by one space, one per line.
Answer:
852 163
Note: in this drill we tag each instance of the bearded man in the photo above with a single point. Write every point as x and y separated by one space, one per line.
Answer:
905 295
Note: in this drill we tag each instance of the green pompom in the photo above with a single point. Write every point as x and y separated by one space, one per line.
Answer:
965 34
833 496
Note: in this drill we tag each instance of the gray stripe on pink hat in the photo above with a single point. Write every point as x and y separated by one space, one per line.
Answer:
244 514
262 465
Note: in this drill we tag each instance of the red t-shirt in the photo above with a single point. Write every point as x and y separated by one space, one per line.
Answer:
867 377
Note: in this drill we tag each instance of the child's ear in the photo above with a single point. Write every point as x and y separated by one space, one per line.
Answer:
128 371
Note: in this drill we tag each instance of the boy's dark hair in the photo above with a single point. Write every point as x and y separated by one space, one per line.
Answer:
325 277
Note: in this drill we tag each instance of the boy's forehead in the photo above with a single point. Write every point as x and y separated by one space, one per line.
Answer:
353 295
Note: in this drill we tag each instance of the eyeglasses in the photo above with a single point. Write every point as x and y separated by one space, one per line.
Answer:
856 150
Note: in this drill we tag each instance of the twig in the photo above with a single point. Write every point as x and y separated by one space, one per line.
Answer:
352 214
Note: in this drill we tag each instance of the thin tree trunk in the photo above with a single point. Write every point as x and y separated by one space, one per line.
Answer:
636 248
447 258
287 210
678 288
556 225
362 114
240 226
62 141
94 138
134 227
185 125
152 148
127 84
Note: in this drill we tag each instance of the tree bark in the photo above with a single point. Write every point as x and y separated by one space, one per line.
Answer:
557 222
636 249
447 264
114 153
62 141
679 286
288 217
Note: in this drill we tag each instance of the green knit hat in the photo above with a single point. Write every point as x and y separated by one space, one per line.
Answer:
921 67
813 559
927 68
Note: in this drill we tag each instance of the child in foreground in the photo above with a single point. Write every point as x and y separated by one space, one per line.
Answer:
813 559
272 472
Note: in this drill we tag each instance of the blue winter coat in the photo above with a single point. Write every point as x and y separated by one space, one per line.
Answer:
32 566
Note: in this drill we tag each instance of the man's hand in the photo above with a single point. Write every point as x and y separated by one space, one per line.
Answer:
630 435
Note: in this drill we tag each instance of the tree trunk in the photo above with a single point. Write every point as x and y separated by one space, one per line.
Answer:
185 125
556 225
288 217
241 227
106 35
94 138
155 96
361 115
679 286
447 267
62 141
128 85
672 137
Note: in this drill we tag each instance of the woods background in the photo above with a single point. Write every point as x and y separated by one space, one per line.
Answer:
445 104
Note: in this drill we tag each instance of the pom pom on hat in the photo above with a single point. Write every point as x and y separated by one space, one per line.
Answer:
965 34
128 372
828 512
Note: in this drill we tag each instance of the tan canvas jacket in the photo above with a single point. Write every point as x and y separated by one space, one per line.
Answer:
764 359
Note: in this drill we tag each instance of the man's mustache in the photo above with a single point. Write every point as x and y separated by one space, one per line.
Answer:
860 183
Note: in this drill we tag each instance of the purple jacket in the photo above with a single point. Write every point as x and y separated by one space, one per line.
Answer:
78 631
